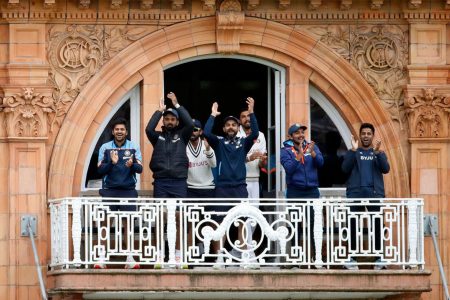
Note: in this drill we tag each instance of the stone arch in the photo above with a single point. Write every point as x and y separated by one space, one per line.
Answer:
282 44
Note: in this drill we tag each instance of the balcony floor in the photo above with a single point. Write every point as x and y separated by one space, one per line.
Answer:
238 284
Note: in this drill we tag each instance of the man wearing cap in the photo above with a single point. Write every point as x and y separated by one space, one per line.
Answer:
300 160
202 159
231 152
169 162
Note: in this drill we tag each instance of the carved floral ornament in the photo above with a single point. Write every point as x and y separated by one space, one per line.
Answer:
27 113
379 53
428 114
76 53
229 22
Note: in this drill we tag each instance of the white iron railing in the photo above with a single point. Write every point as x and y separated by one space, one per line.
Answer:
83 230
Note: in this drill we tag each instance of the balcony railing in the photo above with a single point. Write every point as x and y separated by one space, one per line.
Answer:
85 229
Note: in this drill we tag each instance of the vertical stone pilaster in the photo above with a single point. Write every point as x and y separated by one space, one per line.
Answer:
298 103
26 106
427 103
152 92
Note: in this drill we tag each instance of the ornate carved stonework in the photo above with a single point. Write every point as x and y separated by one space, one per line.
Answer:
76 53
428 114
229 21
379 53
27 113
209 5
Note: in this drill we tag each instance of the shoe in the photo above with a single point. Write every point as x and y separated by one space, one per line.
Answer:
380 264
218 265
236 253
159 261
100 264
351 265
131 263
178 262
251 262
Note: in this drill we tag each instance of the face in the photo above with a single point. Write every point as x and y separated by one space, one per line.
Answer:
120 133
245 119
366 137
196 133
231 128
298 137
170 121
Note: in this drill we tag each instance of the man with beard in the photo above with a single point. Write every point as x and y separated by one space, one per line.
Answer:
169 162
256 158
366 164
118 162
301 160
202 159
231 152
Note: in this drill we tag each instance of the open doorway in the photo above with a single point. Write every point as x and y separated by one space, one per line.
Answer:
198 84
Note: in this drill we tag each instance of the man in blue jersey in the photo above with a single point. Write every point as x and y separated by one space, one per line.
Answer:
231 154
301 160
366 164
119 161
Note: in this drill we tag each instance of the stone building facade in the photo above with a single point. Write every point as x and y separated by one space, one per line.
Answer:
65 64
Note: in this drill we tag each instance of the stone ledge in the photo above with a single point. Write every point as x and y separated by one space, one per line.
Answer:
213 281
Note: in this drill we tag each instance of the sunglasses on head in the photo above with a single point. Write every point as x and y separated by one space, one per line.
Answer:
196 129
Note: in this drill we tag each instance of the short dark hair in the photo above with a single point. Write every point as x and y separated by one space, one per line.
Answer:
367 125
117 121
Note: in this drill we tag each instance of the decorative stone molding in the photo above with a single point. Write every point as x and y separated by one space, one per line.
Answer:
314 4
428 114
116 4
13 4
284 4
379 53
414 4
346 4
49 3
209 5
229 22
376 4
253 4
27 113
177 4
146 4
84 4
76 53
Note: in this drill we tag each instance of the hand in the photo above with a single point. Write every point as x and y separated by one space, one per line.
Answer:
173 98
207 146
311 148
263 160
215 110
299 155
129 162
114 156
162 107
354 143
376 149
251 104
255 155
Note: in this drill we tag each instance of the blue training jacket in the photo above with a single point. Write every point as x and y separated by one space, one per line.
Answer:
231 153
351 164
298 174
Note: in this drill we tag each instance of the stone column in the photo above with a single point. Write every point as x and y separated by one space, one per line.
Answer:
427 105
25 109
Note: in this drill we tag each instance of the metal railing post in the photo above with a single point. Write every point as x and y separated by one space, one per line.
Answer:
28 228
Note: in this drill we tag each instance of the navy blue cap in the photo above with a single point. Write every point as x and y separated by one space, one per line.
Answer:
231 118
171 111
296 127
197 123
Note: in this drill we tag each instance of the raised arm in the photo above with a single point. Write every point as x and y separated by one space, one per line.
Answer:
186 131
213 140
248 142
150 131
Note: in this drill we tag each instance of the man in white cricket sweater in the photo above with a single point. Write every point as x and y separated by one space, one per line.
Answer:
256 158
202 159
